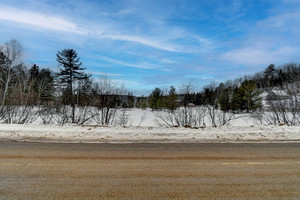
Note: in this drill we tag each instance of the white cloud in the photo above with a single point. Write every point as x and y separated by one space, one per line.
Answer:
40 20
255 55
284 21
126 82
60 24
140 65
230 11
141 40
173 40
168 61
271 40
104 74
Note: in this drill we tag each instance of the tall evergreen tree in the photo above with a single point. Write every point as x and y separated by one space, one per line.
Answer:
249 96
224 100
269 75
45 80
71 71
235 100
172 98
155 99
34 71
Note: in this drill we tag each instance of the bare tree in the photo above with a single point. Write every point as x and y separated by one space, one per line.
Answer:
212 114
107 99
20 108
47 114
284 107
11 53
218 117
14 114
17 104
181 117
187 89
122 118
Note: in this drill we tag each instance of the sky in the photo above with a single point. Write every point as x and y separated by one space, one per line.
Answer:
157 43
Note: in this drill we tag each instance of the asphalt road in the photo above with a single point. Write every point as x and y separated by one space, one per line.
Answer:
149 171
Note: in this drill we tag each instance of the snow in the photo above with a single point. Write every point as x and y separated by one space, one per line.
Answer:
141 117
142 128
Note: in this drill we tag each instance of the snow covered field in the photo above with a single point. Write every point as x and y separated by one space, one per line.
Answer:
144 129
75 133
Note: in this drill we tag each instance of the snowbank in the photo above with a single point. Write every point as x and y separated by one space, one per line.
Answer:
96 134
142 128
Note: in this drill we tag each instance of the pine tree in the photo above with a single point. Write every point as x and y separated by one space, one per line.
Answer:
46 79
269 74
172 99
249 96
235 100
155 99
70 72
224 100
34 71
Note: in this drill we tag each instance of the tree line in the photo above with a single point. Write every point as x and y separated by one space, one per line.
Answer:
65 96
68 95
241 94
221 102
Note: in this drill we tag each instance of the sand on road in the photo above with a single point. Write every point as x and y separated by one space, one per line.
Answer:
149 171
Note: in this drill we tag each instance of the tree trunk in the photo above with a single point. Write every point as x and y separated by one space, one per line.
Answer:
5 90
73 111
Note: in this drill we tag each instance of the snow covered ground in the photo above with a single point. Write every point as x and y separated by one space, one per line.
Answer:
96 134
144 129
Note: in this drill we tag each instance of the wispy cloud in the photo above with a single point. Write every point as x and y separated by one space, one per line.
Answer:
122 63
273 39
230 11
255 55
284 22
104 74
141 40
173 39
157 42
40 20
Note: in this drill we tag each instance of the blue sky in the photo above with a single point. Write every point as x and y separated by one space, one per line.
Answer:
157 43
